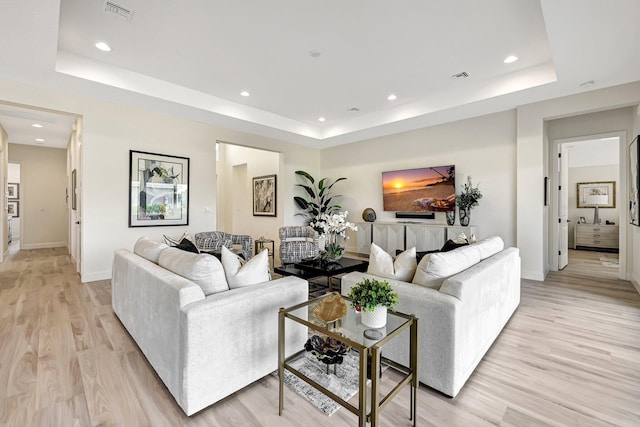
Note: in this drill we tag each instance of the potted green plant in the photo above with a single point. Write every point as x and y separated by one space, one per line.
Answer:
319 198
373 297
466 200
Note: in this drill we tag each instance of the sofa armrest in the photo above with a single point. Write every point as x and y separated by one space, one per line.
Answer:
231 338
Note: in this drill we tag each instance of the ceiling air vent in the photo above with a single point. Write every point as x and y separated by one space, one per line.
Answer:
118 11
462 75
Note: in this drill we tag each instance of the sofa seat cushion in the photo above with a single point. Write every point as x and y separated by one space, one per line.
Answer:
435 268
382 264
149 249
202 269
240 274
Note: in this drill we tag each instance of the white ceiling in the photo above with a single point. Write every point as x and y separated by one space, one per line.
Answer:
198 55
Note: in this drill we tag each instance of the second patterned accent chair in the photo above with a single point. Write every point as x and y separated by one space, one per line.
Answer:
297 242
214 241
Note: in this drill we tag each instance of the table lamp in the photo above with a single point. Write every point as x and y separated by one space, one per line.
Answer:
596 200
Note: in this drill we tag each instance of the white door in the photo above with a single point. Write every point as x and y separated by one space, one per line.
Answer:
563 207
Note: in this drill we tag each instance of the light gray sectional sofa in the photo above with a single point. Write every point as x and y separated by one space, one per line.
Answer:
460 313
203 347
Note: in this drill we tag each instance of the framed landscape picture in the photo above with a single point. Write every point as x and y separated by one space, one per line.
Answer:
602 194
13 190
158 189
264 195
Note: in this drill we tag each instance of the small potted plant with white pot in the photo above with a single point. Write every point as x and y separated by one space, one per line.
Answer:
373 297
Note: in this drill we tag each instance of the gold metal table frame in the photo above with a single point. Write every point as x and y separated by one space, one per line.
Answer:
352 333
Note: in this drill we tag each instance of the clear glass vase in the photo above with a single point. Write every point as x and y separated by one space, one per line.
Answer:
465 216
333 248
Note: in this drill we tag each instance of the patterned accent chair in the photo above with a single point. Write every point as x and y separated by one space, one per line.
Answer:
214 240
297 242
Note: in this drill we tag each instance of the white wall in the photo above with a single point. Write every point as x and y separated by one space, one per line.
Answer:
483 147
43 209
13 175
4 162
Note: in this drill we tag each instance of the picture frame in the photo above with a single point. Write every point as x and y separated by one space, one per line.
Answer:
265 195
13 208
588 189
634 182
13 190
582 220
158 189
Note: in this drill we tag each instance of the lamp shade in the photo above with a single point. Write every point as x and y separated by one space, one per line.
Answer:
596 199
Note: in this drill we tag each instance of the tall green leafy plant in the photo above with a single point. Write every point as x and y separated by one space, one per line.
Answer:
319 199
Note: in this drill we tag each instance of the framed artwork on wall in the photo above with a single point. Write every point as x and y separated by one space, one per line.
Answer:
634 182
158 189
13 208
13 190
601 194
264 195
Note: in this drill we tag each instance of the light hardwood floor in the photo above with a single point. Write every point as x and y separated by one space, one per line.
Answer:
570 356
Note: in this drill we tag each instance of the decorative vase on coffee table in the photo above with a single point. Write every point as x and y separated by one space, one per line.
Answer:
376 318
333 249
465 216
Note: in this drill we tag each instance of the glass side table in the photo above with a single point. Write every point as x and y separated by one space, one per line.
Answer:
350 330
261 244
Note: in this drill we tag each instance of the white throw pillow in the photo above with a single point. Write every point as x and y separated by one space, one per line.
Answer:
489 246
254 271
435 268
149 249
202 269
382 264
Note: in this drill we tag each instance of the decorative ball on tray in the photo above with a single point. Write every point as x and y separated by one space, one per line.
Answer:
369 215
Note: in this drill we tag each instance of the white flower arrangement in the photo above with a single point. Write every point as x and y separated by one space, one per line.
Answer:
335 224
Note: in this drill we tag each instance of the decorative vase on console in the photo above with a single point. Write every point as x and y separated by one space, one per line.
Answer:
451 217
334 228
467 200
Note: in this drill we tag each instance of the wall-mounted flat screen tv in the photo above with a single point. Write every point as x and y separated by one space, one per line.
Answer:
430 189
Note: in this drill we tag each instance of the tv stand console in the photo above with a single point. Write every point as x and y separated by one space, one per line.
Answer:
393 236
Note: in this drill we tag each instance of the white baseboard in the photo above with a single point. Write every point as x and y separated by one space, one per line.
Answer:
532 275
43 245
94 277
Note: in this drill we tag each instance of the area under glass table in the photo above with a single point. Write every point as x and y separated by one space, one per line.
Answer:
350 330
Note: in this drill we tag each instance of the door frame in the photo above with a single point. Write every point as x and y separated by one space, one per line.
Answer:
621 198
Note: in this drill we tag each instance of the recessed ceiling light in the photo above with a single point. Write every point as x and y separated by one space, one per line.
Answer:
103 47
510 59
39 140
392 97
245 93
36 125
322 119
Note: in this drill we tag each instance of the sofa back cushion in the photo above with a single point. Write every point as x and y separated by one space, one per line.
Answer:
435 268
240 274
489 246
382 264
202 269
149 249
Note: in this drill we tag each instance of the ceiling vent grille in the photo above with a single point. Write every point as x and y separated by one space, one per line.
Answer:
462 75
118 11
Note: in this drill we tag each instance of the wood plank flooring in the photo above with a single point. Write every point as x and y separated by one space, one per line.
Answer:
570 356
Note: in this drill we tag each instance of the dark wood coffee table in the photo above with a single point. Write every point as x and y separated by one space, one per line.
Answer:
316 267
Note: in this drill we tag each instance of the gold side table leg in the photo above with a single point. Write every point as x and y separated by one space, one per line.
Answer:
375 377
362 396
281 360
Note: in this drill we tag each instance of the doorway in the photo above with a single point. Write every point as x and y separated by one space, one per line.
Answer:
578 164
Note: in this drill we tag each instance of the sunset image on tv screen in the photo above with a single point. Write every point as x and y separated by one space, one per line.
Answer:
431 189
